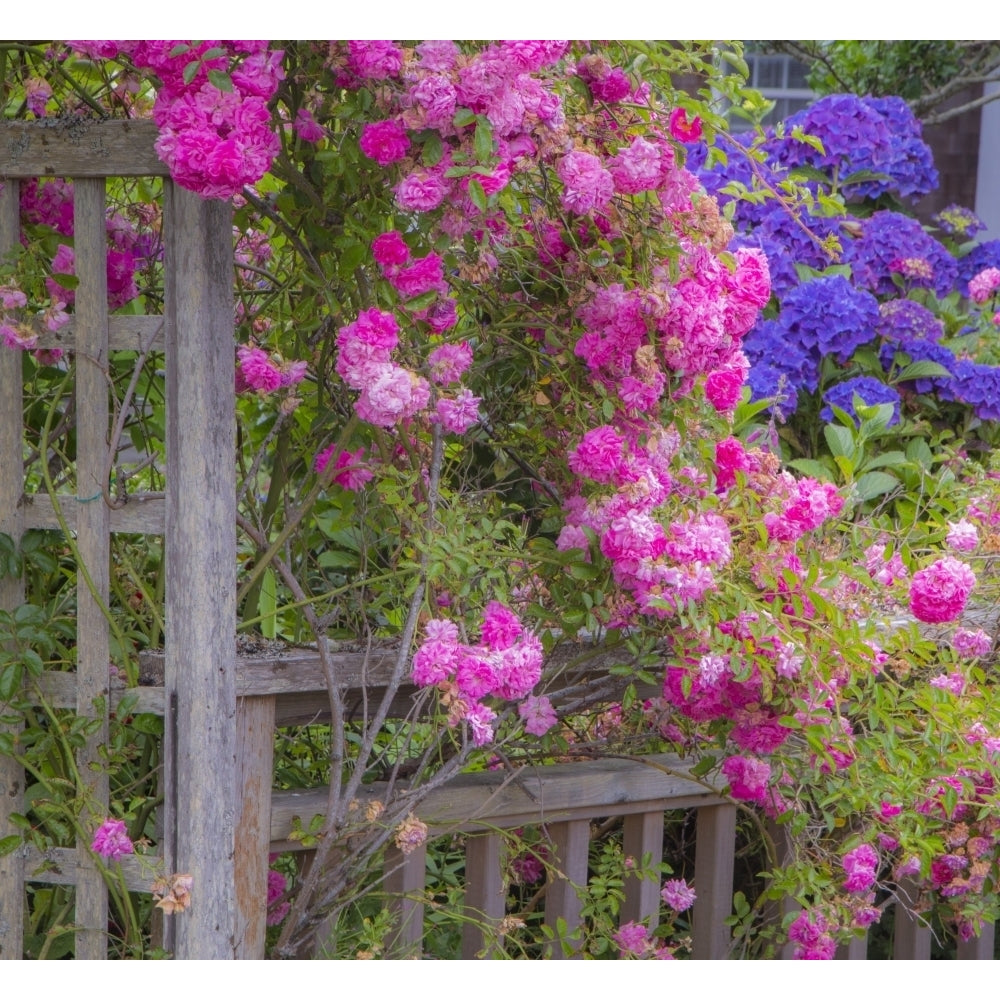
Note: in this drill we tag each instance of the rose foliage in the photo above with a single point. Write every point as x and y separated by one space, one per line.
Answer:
497 346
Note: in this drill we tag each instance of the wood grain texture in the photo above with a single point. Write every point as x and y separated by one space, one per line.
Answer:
714 861
93 542
642 835
404 882
140 516
255 757
200 566
78 146
570 854
485 899
11 591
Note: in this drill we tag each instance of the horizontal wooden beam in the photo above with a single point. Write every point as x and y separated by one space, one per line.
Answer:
531 794
61 866
125 333
78 146
58 688
140 516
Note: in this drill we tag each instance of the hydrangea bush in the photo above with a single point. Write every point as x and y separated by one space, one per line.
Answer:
494 338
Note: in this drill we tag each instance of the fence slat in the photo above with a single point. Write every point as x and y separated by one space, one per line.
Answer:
93 535
404 881
571 849
912 936
856 950
11 590
978 948
485 900
200 566
714 862
255 755
643 834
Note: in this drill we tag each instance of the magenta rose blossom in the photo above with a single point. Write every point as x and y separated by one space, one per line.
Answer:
384 142
938 592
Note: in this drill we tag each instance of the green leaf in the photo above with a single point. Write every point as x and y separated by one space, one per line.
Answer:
703 766
918 451
420 302
267 604
433 148
483 141
811 467
338 559
921 369
876 484
11 678
478 195
191 71
463 117
886 458
221 80
8 844
839 440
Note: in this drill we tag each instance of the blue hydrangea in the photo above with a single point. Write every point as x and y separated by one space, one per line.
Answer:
888 237
871 390
828 315
958 221
778 366
904 318
739 168
982 256
977 386
879 135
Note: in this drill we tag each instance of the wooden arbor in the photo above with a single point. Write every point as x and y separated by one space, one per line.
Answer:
196 516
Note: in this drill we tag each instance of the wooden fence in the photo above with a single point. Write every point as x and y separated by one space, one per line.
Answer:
196 516
220 818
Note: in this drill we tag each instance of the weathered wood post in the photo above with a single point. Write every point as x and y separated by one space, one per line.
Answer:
11 589
200 660
93 534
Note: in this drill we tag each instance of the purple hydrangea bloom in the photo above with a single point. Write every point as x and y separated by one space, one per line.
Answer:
788 241
871 390
888 237
978 259
738 168
876 135
904 319
958 221
828 315
778 367
977 386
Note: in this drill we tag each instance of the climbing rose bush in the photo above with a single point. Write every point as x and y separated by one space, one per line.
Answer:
494 368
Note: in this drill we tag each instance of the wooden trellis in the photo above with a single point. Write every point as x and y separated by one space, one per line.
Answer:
220 817
197 517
